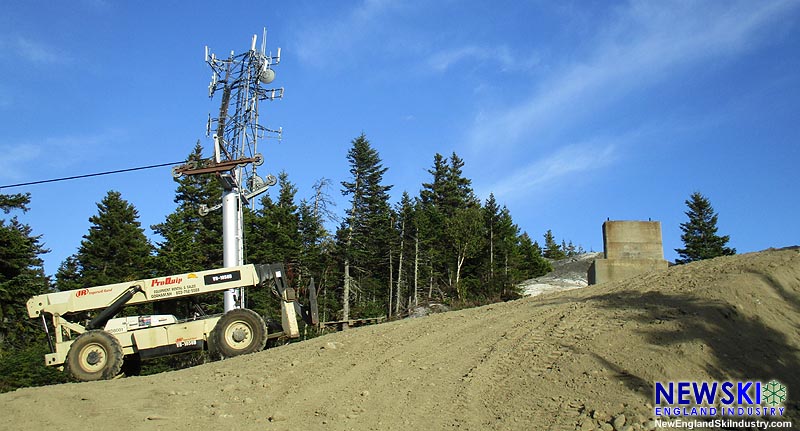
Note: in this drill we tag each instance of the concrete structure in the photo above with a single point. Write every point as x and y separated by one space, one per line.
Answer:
629 248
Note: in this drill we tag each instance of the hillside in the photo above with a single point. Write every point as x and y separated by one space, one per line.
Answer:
564 361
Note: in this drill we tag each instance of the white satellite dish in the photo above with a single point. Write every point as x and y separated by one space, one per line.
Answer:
266 76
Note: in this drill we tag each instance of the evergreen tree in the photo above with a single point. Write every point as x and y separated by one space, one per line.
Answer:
274 234
367 229
191 242
506 233
500 257
116 248
552 250
447 193
22 343
406 229
457 188
491 215
533 262
433 193
68 276
21 274
699 236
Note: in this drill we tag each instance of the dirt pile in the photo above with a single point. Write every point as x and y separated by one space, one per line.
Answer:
577 360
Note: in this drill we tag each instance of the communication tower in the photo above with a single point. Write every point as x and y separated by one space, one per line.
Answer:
241 81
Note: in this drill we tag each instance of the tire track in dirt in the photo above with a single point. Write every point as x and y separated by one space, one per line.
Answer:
566 361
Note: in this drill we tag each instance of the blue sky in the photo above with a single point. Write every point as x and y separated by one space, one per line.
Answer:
571 112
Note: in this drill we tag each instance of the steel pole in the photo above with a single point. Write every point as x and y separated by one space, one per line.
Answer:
230 239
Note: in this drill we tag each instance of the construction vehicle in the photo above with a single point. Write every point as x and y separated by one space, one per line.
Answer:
98 348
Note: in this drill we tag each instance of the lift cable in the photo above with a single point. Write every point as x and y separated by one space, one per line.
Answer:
118 171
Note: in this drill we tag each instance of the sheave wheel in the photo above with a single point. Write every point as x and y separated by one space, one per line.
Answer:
238 332
95 355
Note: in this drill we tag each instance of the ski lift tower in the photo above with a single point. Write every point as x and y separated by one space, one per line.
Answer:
240 80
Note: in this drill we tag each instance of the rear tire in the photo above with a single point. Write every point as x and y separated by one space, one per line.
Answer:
238 332
95 355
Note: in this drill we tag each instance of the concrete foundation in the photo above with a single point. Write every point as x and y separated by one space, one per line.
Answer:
630 248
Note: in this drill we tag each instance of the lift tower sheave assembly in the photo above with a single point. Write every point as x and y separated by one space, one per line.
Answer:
240 80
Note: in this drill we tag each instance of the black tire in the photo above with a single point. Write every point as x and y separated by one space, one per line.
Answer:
95 355
238 332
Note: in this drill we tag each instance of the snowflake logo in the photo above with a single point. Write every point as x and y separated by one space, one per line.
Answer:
774 393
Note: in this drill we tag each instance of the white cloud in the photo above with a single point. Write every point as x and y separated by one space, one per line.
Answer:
321 43
31 161
562 165
501 56
39 53
17 161
645 43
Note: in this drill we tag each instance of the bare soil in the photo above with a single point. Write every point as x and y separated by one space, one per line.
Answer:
573 360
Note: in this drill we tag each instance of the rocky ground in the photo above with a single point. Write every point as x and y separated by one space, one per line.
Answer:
567 274
581 359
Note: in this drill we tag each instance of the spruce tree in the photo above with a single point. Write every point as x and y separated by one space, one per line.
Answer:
533 262
512 265
405 226
491 215
447 193
191 242
68 276
22 343
457 188
367 229
116 248
21 274
274 234
552 250
699 236
433 193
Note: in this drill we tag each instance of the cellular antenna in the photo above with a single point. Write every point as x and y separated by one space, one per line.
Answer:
240 80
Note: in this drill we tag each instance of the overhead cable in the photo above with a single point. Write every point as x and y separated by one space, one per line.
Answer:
118 171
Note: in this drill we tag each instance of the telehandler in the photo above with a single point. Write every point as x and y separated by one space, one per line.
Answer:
99 347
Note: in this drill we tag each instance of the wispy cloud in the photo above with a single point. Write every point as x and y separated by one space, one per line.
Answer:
646 42
321 42
17 161
563 165
36 52
443 60
55 154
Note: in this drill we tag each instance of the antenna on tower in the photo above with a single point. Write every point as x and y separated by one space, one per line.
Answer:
236 132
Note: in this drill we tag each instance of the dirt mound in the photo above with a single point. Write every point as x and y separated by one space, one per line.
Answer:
580 359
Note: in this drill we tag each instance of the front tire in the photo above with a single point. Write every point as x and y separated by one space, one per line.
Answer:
238 332
95 355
